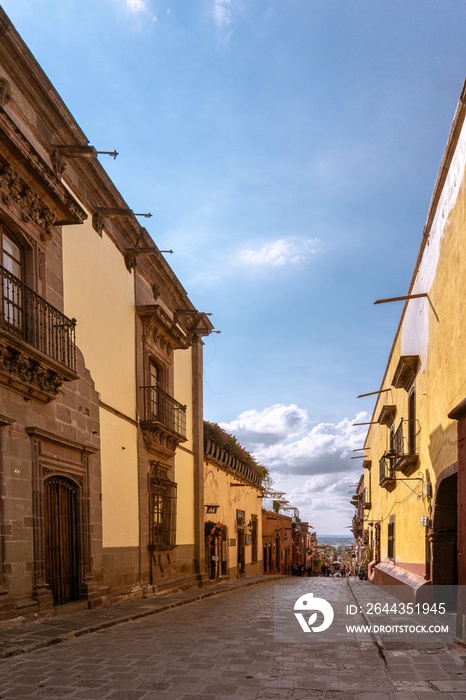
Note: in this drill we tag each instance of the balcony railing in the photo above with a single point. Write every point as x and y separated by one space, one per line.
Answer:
387 471
27 316
160 407
357 526
404 445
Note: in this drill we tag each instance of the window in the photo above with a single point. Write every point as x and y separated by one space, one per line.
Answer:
153 373
154 380
391 540
159 405
254 537
162 509
12 256
391 443
407 458
240 518
12 274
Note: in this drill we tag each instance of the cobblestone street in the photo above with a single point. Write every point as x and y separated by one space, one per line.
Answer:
223 646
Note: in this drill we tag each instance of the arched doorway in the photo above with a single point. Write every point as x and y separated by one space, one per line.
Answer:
443 536
61 538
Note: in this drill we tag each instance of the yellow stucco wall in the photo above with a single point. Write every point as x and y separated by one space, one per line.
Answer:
184 477
99 293
444 376
406 501
433 328
183 388
118 439
218 491
184 458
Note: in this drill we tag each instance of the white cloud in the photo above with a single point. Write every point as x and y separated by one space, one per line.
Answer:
325 449
222 13
281 252
324 501
136 5
325 488
280 439
272 425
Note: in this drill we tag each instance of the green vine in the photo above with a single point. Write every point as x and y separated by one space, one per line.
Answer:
229 443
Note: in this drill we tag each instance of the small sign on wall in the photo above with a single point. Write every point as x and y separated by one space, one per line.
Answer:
212 509
232 542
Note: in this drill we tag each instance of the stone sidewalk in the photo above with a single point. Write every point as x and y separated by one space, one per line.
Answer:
419 672
24 638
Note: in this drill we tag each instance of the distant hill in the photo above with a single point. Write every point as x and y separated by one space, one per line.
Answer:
335 540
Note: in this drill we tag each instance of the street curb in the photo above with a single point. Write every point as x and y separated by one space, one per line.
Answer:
375 637
26 648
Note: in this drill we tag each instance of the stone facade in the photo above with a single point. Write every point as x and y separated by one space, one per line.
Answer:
101 447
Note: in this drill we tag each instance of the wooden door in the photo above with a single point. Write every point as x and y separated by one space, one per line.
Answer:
61 539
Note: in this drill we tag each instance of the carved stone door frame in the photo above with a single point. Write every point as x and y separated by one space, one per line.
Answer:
56 456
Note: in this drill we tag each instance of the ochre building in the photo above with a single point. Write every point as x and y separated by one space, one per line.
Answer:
414 465
232 512
277 542
101 432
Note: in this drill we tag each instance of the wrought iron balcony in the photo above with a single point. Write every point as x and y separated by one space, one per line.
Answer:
357 526
28 317
163 410
386 472
404 446
37 342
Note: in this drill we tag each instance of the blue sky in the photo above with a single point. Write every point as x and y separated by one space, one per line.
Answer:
288 150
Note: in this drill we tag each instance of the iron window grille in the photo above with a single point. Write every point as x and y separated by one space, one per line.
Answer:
162 513
391 541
